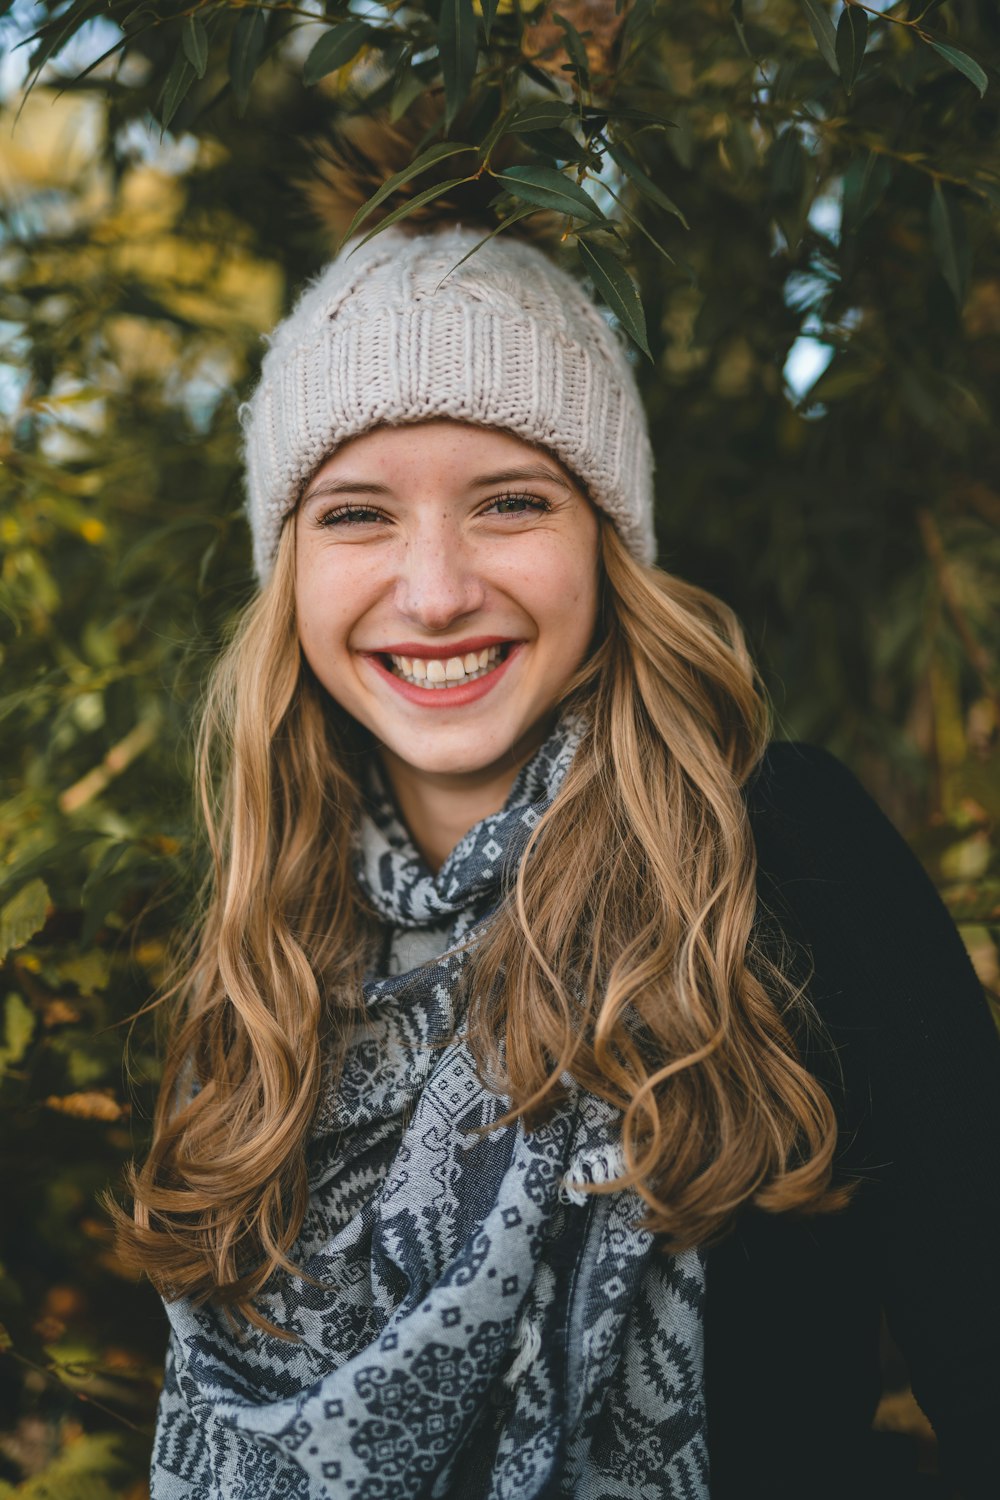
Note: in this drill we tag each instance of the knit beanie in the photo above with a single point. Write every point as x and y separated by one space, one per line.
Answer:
396 332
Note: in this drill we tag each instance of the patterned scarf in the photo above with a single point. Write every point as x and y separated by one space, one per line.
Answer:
473 1327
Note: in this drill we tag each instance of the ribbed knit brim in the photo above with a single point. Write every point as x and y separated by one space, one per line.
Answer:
508 340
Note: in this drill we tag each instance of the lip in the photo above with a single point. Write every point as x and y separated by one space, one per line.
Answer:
452 697
441 653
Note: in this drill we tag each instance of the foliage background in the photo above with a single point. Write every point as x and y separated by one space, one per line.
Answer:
822 387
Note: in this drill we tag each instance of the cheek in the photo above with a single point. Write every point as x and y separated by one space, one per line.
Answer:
330 599
560 590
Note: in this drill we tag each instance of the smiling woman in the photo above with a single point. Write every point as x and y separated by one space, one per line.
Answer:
447 618
561 1080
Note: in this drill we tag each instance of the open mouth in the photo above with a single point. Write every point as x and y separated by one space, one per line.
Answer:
446 672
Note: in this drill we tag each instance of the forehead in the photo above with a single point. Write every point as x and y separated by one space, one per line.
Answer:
452 445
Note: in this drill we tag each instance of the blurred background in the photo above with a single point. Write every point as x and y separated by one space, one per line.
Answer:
808 200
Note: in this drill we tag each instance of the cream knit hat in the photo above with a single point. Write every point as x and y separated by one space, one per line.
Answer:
508 340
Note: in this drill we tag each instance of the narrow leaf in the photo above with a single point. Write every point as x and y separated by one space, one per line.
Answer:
437 191
964 63
549 188
575 48
499 127
335 49
736 11
489 13
865 183
513 218
543 114
176 85
822 28
617 288
852 38
560 145
408 86
644 183
194 39
245 51
638 224
419 164
457 49
950 247
639 12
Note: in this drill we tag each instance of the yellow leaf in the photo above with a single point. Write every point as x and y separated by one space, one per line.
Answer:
92 1104
23 915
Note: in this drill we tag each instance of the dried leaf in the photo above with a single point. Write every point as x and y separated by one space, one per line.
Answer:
91 1104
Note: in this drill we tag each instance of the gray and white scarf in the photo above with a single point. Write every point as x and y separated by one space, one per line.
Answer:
472 1326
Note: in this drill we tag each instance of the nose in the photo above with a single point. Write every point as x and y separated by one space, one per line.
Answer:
438 583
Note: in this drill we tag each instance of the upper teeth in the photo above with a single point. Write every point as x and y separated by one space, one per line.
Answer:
433 671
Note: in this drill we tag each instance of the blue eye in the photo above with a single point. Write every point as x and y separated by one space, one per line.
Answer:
348 514
517 505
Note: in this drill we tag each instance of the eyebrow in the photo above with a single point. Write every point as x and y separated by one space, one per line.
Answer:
349 486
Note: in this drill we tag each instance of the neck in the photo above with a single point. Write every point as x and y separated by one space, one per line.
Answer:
439 808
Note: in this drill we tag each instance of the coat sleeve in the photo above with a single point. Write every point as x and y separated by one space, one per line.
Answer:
920 1055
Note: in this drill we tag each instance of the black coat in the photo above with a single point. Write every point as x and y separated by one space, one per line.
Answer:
793 1304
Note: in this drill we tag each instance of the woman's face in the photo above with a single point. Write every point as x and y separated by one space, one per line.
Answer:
446 590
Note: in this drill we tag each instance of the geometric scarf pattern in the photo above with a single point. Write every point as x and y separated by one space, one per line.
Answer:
468 1325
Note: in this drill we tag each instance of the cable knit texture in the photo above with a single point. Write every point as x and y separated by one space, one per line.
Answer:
396 331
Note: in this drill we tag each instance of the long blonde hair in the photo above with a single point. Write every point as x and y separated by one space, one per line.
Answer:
642 977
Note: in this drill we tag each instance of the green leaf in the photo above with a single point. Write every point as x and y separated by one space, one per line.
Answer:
950 245
409 85
52 858
822 28
789 164
457 49
549 188
560 145
335 49
542 114
23 915
575 48
736 11
644 183
437 191
617 288
194 39
639 12
419 164
175 86
512 218
851 40
865 182
489 10
964 63
245 51
499 127
18 1029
